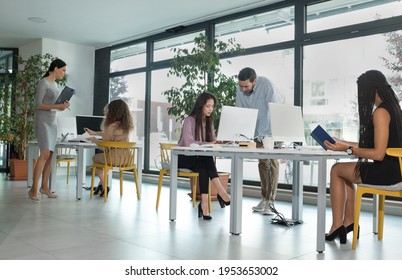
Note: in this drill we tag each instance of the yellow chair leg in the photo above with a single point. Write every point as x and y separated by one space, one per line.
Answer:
195 190
381 209
105 180
356 218
136 184
158 195
91 191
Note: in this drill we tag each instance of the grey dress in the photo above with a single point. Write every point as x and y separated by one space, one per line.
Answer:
45 121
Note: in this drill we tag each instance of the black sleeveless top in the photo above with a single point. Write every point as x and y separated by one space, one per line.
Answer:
387 171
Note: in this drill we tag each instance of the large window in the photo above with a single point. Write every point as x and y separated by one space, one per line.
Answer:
259 29
163 127
333 78
265 64
163 48
330 67
131 88
337 13
128 57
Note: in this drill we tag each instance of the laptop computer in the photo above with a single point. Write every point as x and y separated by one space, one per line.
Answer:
66 128
287 123
237 124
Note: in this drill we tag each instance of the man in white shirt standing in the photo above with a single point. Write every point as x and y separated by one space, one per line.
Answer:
256 92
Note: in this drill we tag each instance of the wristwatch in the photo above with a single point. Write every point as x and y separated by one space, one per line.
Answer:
349 150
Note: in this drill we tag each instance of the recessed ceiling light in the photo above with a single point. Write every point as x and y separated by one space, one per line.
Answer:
37 19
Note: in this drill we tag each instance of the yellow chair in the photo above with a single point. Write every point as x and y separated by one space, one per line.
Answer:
165 149
393 190
68 156
118 156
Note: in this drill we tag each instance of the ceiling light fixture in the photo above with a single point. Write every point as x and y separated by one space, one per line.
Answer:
37 19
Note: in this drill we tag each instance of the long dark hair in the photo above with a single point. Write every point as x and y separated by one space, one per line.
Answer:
197 113
118 111
55 63
368 84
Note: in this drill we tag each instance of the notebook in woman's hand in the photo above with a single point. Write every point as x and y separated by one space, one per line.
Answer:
320 135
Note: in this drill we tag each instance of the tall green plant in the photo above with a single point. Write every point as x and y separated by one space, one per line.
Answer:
394 49
18 118
201 69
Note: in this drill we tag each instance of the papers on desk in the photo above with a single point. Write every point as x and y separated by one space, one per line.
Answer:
84 137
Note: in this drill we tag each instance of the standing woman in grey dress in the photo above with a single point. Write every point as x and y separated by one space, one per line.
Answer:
45 125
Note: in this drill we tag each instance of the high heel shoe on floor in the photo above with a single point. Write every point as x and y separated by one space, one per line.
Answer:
349 228
222 203
103 192
201 213
32 197
340 231
49 194
98 189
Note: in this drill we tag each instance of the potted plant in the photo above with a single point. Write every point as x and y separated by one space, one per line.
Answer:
18 97
201 69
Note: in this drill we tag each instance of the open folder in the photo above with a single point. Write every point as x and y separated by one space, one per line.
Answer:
320 135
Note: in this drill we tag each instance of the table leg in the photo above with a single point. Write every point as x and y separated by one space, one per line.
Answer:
375 213
321 204
297 192
173 187
81 165
236 195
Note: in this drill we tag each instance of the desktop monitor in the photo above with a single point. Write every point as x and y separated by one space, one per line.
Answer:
237 124
287 123
91 122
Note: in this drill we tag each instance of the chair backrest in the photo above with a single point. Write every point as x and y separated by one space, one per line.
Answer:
396 152
118 154
165 154
66 153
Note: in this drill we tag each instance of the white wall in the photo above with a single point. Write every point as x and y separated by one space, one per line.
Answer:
80 73
80 70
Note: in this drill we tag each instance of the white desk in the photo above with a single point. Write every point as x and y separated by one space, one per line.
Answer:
80 147
238 155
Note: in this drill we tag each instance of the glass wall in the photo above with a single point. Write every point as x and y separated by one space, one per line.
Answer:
327 68
265 64
128 57
131 88
163 49
164 128
338 13
259 29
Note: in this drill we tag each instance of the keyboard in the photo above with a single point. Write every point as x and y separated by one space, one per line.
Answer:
309 148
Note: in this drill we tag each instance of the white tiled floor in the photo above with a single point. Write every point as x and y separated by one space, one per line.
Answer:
128 229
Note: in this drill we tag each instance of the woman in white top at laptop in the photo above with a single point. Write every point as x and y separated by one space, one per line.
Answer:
198 128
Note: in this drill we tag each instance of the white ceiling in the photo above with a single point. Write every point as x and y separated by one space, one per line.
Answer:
100 23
